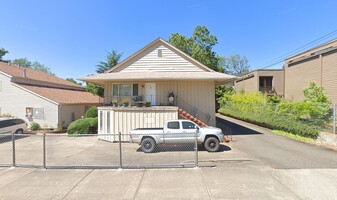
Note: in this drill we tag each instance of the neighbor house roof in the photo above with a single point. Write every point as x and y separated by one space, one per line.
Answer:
63 96
32 74
124 76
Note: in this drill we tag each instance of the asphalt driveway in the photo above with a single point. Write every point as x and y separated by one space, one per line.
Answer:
277 151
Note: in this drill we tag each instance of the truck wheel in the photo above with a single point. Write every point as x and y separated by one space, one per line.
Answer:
212 144
148 145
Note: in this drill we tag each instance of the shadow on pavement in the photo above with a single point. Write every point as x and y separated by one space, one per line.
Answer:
236 128
8 138
184 148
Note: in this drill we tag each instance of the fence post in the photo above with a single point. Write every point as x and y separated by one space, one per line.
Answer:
196 149
13 148
334 118
120 150
44 151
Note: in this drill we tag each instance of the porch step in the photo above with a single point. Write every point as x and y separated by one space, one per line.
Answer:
185 115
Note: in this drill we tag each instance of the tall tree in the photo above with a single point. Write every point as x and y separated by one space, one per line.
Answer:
41 67
199 46
111 60
74 81
95 89
3 52
236 64
23 62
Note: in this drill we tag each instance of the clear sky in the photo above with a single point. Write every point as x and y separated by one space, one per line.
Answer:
72 36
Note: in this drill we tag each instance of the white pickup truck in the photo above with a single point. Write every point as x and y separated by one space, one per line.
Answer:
177 131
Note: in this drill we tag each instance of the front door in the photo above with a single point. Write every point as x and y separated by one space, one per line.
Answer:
150 93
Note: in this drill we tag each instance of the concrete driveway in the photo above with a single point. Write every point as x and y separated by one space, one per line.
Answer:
246 169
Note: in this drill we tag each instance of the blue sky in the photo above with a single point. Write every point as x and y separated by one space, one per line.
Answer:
71 37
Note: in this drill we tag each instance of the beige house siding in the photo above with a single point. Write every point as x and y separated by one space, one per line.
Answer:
196 97
299 75
329 75
68 111
251 83
14 100
150 61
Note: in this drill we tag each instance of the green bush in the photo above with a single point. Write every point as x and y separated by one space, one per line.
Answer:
268 118
34 126
91 112
83 126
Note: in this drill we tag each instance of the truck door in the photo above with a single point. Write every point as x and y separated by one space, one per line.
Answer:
172 132
189 131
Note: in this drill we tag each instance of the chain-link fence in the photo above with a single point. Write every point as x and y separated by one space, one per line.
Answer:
91 152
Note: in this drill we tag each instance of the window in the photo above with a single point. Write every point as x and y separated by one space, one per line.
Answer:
188 125
19 121
73 116
125 90
173 125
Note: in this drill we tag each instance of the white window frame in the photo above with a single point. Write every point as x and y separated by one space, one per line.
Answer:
118 93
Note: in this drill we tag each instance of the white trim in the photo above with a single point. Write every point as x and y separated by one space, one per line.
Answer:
9 76
16 85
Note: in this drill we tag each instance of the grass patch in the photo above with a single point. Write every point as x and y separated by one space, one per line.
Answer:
294 136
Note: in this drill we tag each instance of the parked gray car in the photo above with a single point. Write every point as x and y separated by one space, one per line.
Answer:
12 125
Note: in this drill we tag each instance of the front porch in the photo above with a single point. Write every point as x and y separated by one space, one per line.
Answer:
195 97
112 120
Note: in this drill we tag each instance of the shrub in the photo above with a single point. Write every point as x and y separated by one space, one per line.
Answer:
92 112
34 126
268 118
83 126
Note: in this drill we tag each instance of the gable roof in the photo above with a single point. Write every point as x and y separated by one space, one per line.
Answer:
63 96
167 45
34 75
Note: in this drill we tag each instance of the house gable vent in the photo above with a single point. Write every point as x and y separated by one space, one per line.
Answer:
160 53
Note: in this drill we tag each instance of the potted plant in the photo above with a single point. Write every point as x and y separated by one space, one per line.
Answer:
126 102
147 103
139 103
114 103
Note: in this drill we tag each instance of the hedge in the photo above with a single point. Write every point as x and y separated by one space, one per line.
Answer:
34 126
83 126
91 112
273 120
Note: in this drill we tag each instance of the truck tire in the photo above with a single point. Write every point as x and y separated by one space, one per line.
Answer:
212 144
148 145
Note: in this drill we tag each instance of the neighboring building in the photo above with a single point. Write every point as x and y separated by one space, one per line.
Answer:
152 74
318 65
40 97
268 81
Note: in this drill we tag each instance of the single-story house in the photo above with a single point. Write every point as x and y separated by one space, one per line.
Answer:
318 64
40 97
163 75
268 81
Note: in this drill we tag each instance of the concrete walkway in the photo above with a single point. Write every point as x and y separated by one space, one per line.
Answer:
239 173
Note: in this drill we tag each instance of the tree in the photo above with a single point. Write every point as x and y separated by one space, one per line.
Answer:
199 46
41 67
111 60
236 64
23 62
74 81
3 52
95 89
